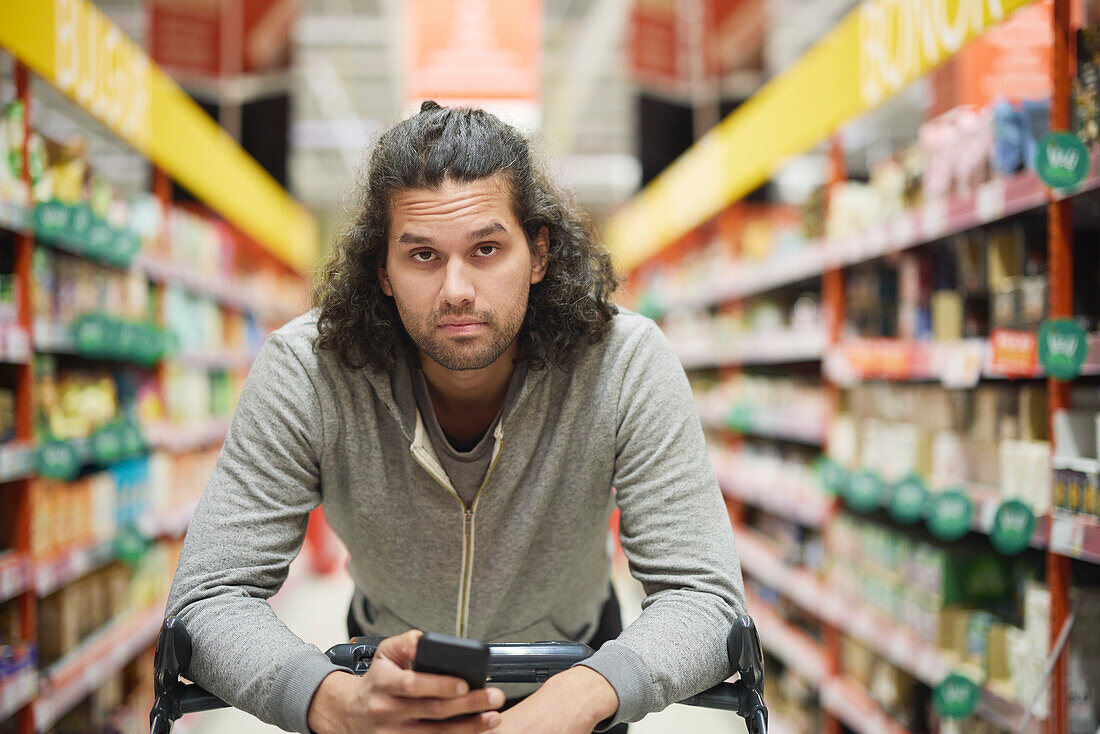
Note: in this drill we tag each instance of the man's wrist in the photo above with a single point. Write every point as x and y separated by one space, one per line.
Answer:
595 695
329 699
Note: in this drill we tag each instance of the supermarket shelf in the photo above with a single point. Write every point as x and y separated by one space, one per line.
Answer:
179 439
794 647
807 506
71 679
14 217
956 363
53 337
63 568
890 639
852 704
987 501
989 203
16 460
225 290
17 690
768 425
15 344
216 359
15 575
171 525
760 560
1075 536
776 347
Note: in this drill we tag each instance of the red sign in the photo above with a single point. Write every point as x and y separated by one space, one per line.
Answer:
881 358
214 38
663 37
1014 353
469 51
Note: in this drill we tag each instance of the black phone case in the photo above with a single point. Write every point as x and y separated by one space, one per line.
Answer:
457 656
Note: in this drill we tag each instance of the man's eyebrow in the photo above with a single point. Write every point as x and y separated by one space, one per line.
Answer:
407 238
487 230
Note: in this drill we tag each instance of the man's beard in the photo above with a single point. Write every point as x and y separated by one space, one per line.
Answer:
459 353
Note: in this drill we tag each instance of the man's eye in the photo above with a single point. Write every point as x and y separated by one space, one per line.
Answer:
423 256
486 250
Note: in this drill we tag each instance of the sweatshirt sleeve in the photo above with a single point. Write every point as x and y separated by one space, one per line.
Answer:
248 527
677 537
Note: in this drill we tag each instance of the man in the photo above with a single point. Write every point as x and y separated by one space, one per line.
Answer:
462 402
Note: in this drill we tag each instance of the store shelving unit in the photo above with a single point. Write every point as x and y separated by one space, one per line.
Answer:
684 209
182 145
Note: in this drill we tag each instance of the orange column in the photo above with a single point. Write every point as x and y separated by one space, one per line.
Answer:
832 299
24 388
1060 248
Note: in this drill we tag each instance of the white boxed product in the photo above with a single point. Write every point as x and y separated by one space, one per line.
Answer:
1075 434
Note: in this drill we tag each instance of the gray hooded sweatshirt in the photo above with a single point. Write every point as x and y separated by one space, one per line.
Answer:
528 558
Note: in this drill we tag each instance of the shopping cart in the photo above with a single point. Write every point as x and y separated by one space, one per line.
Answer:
508 663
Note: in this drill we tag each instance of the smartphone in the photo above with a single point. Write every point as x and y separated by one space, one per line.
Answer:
457 656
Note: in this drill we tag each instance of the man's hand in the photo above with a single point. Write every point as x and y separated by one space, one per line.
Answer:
392 697
571 702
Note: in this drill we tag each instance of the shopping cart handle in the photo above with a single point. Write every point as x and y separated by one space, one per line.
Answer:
508 663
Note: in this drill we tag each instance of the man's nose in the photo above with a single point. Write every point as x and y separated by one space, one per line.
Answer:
458 286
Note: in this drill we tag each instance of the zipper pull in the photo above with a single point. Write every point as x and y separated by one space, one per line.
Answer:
469 519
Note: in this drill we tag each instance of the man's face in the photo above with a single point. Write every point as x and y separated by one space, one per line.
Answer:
460 270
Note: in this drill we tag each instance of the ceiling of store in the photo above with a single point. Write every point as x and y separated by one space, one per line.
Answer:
346 86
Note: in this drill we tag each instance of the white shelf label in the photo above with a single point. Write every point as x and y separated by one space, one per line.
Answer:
990 200
934 218
1067 537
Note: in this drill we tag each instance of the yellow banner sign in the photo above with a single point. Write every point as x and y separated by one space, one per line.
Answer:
874 52
73 45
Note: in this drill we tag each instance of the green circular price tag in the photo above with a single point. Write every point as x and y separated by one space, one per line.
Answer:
1063 346
92 336
129 546
106 444
834 479
950 515
955 697
58 460
1061 160
80 226
133 440
740 418
100 239
908 500
864 491
50 219
1013 526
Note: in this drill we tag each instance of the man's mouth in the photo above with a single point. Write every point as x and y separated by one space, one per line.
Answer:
462 326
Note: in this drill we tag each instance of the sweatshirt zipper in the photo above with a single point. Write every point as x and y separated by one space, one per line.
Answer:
462 614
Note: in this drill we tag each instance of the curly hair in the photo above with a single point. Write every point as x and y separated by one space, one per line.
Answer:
570 307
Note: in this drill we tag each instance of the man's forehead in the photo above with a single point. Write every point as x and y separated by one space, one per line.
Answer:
495 187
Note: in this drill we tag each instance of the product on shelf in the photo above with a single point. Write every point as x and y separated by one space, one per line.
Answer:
77 611
73 404
772 405
993 435
67 287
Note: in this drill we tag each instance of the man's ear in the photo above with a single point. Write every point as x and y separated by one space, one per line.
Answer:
542 254
384 281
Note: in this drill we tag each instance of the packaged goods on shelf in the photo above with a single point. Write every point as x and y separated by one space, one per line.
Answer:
73 403
67 287
193 394
88 511
780 329
744 238
773 406
77 611
12 187
994 436
1085 94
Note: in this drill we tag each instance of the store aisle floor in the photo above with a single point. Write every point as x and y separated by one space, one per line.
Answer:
315 609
